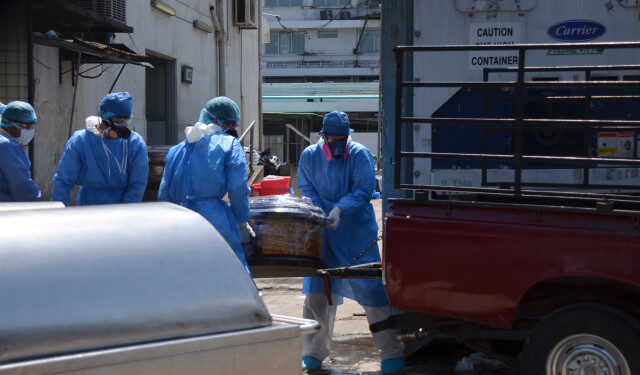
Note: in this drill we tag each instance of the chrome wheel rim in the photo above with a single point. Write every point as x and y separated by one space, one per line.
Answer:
586 354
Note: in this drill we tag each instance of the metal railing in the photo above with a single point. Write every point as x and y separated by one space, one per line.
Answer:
248 130
322 64
586 125
288 128
519 123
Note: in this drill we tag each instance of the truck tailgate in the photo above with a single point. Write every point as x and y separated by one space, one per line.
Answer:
475 262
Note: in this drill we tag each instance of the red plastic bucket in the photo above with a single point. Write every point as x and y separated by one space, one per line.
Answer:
271 185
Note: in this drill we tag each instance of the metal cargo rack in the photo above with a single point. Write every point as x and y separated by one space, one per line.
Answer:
517 190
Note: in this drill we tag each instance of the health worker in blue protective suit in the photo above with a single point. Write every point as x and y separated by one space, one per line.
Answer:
107 159
18 121
207 165
337 174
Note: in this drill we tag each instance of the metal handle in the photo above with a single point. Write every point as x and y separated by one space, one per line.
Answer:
307 326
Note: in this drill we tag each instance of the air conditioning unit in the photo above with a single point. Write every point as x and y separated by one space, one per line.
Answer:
345 15
114 9
245 14
326 14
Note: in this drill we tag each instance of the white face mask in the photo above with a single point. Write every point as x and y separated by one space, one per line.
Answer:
25 136
92 123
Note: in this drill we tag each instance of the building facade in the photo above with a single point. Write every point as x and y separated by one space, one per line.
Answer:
171 55
321 55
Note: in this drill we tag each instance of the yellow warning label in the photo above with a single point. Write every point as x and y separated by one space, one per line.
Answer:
607 150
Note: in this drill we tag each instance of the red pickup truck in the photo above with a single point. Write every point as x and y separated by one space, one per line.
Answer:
557 263
570 276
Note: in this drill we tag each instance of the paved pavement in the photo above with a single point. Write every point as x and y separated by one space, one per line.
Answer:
353 351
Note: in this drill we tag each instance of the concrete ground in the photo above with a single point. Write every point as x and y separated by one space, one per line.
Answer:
353 351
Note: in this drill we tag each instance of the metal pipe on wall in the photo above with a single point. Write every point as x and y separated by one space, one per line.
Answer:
259 19
30 75
221 50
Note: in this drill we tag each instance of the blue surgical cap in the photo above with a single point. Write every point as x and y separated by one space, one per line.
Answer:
336 123
16 113
117 104
221 109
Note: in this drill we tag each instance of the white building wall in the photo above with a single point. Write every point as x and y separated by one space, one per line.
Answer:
322 57
242 76
158 34
307 20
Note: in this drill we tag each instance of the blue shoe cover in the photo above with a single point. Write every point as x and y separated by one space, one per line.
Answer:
392 365
310 363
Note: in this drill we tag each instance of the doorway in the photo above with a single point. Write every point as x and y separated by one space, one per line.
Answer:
160 97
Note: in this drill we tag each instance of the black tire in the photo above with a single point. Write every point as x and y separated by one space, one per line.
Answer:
598 321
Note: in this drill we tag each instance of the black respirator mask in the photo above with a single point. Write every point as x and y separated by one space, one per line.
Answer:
118 131
232 132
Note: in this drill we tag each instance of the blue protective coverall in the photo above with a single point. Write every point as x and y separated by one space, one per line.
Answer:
109 171
347 184
198 175
16 184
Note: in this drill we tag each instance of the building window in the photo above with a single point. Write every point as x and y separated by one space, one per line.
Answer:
328 34
284 43
631 78
276 144
283 80
604 78
282 3
330 3
370 42
543 79
367 3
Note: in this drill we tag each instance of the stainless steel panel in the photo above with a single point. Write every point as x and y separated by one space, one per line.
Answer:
15 206
83 278
273 350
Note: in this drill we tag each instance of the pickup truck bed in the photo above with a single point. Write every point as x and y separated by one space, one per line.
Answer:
494 264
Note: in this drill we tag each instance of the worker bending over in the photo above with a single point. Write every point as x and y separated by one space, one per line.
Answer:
338 175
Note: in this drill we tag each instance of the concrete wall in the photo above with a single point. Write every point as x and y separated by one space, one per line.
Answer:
160 35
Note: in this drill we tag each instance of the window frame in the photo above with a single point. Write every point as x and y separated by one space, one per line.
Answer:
376 41
325 32
323 3
279 5
285 41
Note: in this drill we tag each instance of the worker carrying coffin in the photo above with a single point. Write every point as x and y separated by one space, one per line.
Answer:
337 174
207 165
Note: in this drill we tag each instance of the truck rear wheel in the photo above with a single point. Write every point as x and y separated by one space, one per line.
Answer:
581 339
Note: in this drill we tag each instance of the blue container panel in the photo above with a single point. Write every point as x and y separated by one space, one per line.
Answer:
467 138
